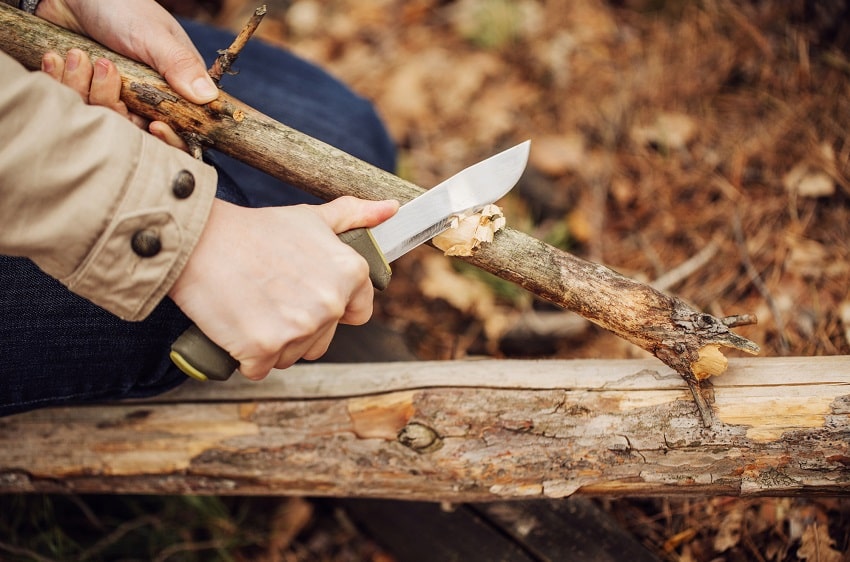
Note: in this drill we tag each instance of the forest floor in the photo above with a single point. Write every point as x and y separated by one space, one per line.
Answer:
702 144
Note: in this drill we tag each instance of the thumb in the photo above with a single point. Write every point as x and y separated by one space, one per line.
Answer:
348 212
184 70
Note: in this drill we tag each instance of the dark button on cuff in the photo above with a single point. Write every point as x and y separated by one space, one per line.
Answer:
146 243
183 185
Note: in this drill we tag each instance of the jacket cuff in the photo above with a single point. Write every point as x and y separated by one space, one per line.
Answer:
151 234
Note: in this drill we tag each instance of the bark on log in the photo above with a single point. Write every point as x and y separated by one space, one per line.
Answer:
454 431
661 324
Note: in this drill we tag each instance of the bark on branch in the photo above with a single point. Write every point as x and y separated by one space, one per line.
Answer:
228 56
661 324
454 431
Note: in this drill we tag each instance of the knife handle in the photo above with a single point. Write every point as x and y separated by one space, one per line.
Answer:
364 243
201 358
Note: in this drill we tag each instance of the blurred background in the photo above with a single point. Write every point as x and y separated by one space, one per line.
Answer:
701 146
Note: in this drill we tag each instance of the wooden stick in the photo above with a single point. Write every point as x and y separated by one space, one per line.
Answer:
228 56
454 431
661 324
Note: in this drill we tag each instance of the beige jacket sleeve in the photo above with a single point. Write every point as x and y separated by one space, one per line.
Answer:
107 209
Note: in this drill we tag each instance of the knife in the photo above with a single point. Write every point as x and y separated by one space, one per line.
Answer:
415 223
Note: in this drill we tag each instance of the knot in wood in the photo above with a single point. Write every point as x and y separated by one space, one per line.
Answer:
699 323
420 438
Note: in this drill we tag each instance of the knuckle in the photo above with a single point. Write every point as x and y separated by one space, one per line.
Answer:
181 59
353 267
305 323
334 307
359 317
259 346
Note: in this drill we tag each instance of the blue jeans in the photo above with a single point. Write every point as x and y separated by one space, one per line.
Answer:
58 348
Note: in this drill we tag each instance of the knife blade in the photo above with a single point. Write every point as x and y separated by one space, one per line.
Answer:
428 215
415 223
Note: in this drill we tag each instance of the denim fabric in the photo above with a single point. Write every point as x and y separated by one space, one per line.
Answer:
300 95
58 348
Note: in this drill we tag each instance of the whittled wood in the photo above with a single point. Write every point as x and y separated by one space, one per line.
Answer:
454 431
663 325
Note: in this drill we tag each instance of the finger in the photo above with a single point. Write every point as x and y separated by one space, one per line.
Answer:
360 305
53 65
257 366
78 72
139 121
347 212
320 345
166 134
106 87
313 345
256 370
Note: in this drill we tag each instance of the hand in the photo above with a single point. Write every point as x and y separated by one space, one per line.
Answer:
271 285
100 84
142 30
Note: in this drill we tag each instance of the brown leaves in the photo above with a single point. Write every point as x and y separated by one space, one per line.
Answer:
729 531
813 176
556 155
467 295
767 529
669 131
817 546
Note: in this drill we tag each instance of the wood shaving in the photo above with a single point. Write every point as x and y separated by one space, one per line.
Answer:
711 362
469 230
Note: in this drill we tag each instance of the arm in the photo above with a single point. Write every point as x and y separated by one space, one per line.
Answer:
82 210
270 285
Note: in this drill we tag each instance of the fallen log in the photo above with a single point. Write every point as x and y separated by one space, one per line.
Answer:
454 431
683 338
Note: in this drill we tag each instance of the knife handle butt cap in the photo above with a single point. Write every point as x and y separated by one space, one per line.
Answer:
201 358
362 241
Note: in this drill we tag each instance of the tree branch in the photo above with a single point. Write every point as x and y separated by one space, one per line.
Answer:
228 56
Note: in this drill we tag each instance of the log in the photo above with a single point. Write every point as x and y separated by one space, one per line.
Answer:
454 431
667 327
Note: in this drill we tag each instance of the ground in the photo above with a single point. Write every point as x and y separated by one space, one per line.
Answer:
702 144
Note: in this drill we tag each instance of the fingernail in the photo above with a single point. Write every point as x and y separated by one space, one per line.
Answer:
204 88
72 61
101 69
